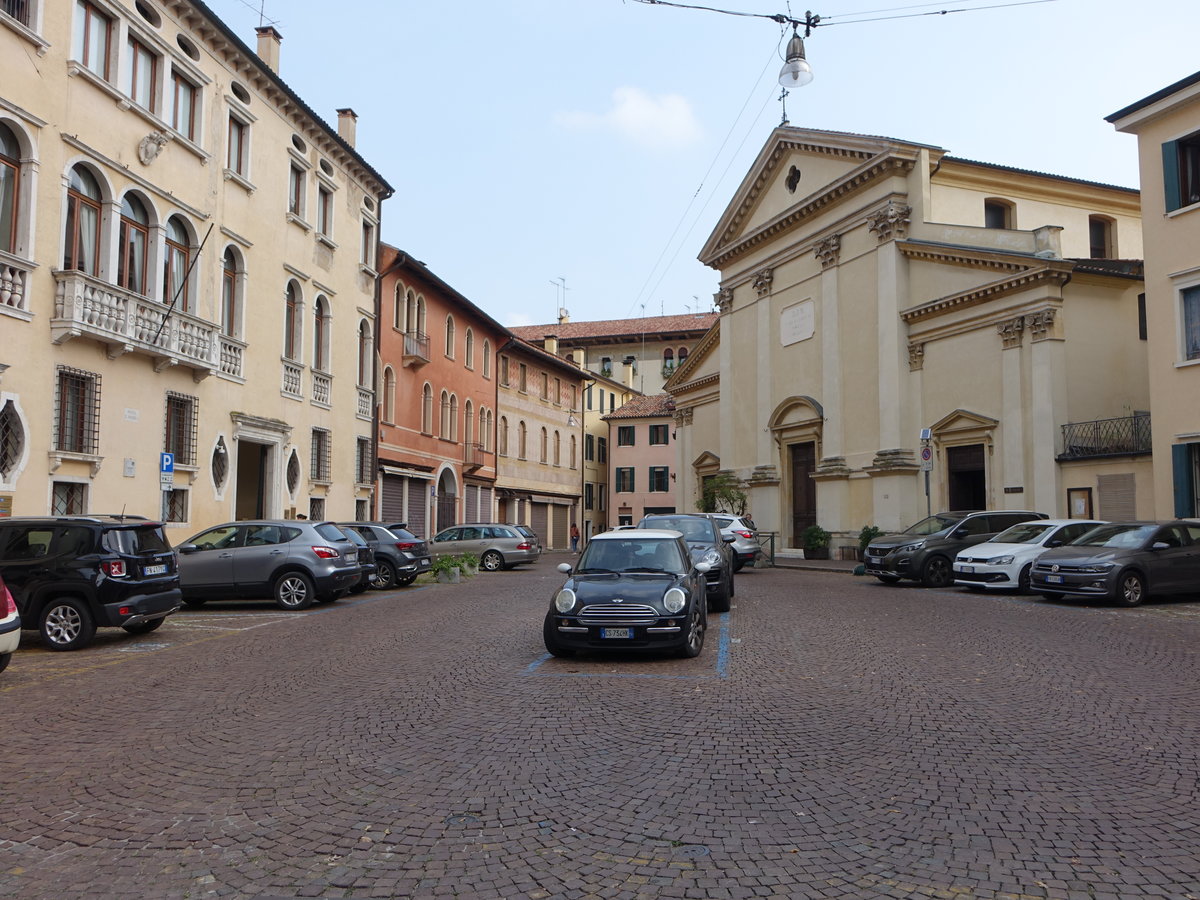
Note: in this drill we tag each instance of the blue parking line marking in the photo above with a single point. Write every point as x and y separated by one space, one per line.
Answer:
722 667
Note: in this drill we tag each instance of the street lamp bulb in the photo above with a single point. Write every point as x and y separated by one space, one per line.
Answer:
796 72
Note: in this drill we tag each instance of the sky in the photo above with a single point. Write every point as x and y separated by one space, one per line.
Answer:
578 153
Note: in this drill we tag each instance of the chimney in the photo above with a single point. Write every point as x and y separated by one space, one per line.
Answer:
550 342
347 125
630 370
268 46
563 316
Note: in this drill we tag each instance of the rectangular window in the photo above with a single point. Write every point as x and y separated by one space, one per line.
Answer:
545 386
660 479
362 462
660 434
588 394
368 245
236 159
180 436
70 499
1142 333
502 371
589 497
183 106
601 497
18 9
362 510
589 447
625 435
625 480
324 211
296 191
557 395
1190 298
92 32
316 508
78 414
601 450
142 67
1181 171
175 506
319 464
1098 237
523 379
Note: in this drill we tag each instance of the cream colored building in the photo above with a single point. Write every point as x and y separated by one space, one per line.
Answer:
601 396
875 290
187 266
1167 125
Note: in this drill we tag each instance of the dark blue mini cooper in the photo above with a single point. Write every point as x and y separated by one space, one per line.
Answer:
630 590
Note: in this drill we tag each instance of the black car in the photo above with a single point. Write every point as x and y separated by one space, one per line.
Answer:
925 551
707 545
630 590
400 556
1123 561
366 561
70 575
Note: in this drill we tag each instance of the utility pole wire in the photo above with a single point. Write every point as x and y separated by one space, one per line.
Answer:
182 284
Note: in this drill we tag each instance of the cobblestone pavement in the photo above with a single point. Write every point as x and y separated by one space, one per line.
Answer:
836 738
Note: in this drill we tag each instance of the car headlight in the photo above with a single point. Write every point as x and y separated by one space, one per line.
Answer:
712 557
1098 569
911 548
565 601
674 600
1001 561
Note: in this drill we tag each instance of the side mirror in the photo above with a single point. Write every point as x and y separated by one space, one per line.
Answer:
703 568
958 533
1160 545
1054 543
187 548
565 568
729 538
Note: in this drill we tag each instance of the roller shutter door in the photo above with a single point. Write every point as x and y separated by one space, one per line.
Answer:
485 504
472 503
1118 497
562 532
418 491
539 520
392 499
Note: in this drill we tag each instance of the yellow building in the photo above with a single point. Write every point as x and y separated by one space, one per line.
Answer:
879 299
1167 125
187 267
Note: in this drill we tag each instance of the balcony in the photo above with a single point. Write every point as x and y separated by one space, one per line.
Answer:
416 348
128 323
322 388
1124 436
292 374
366 403
14 284
475 457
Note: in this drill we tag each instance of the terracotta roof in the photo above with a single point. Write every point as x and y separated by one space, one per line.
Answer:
571 331
645 408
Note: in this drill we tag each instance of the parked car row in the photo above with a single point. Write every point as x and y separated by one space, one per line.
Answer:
1121 561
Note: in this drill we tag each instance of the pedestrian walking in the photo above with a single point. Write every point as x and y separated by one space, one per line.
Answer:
574 538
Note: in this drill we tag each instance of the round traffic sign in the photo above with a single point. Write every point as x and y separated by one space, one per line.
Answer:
926 454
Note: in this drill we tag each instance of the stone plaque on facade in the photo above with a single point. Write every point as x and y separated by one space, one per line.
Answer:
797 323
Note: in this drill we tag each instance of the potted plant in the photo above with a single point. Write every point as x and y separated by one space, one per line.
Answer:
447 570
815 541
469 563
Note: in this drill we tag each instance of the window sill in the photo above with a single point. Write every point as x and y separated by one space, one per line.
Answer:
1183 210
367 270
75 67
240 180
58 457
296 220
321 482
1187 363
327 241
40 44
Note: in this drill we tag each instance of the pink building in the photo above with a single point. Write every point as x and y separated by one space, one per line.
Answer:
641 458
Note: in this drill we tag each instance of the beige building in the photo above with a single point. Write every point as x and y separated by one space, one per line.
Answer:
187 267
601 396
539 436
1167 125
880 299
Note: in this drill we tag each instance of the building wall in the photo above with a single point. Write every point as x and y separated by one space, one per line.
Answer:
600 396
628 507
253 411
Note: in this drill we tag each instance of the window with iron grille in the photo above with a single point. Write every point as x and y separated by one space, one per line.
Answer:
220 463
362 462
18 9
12 440
316 508
77 411
293 472
70 499
362 510
175 506
180 433
318 466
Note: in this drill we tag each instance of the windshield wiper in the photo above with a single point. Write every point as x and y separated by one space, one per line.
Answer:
596 572
651 569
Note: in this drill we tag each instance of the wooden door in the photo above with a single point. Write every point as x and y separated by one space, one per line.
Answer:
804 489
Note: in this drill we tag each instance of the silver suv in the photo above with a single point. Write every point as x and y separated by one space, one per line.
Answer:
296 563
746 546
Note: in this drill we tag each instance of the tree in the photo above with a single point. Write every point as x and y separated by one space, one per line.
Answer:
723 493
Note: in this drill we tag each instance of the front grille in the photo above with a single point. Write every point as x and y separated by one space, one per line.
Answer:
618 614
1047 567
877 551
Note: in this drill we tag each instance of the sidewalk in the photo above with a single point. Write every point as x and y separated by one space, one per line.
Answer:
816 565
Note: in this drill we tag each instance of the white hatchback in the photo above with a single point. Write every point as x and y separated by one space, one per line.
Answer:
1006 560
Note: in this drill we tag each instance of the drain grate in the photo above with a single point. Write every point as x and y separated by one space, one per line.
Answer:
462 820
691 851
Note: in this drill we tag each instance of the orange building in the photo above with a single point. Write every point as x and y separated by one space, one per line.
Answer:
437 400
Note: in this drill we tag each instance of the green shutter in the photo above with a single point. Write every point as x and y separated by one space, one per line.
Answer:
1181 465
1170 152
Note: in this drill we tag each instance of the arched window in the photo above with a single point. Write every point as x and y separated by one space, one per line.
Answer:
683 354
470 349
454 417
543 446
444 419
398 307
82 243
133 243
176 259
502 437
488 430
450 336
427 410
668 360
389 395
998 213
487 359
320 357
410 312
10 186
230 292
468 422
421 316
291 322
366 351
557 448
521 440
484 440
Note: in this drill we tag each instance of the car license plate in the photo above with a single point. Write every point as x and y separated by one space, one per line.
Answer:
155 570
968 569
424 563
875 560
1054 579
625 633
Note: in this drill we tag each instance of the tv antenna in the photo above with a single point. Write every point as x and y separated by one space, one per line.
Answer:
560 294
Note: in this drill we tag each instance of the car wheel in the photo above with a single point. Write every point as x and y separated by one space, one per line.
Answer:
4 660
889 579
1023 579
385 575
937 573
66 625
406 580
145 627
294 590
1131 590
357 589
491 561
194 602
737 565
550 639
693 641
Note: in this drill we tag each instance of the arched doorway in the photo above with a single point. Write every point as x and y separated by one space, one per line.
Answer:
447 499
797 425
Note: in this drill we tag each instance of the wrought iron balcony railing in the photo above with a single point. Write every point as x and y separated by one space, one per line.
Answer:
474 456
416 348
1122 436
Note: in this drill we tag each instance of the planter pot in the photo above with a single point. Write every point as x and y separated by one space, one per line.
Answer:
470 571
816 553
454 576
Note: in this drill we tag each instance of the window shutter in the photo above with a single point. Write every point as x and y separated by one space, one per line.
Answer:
1170 152
1181 466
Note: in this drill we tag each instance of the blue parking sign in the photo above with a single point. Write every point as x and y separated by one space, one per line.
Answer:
166 462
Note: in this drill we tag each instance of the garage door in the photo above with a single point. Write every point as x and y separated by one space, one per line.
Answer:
539 520
485 505
561 527
472 503
417 493
392 499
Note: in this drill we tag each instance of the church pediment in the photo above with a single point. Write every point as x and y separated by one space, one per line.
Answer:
703 364
962 421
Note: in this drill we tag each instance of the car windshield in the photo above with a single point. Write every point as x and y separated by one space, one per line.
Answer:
1025 533
633 554
1119 536
403 535
932 525
696 530
132 541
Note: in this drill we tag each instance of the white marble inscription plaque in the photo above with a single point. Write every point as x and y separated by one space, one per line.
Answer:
797 323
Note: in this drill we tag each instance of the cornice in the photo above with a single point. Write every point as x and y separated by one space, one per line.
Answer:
676 389
703 347
965 256
1038 186
1056 275
880 166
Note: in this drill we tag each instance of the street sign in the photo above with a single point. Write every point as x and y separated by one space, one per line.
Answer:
927 465
167 480
166 463
926 454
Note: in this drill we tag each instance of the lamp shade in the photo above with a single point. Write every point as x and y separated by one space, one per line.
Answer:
796 72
